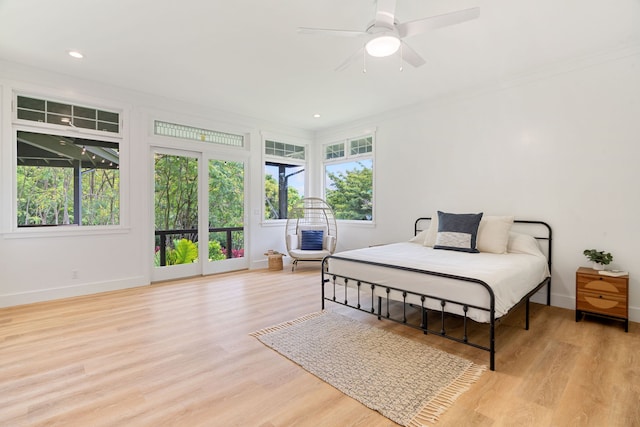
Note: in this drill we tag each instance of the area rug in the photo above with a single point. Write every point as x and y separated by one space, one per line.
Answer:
407 381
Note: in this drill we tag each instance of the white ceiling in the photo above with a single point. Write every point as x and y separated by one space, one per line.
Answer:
246 57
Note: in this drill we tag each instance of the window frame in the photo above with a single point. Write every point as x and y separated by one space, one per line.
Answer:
348 157
11 227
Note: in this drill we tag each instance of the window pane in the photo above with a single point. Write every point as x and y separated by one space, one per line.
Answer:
62 182
226 210
284 187
334 151
58 108
349 189
86 113
30 115
58 119
84 123
100 196
361 146
280 149
31 103
176 210
106 116
108 127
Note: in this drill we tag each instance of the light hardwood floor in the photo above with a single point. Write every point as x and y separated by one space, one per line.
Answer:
180 353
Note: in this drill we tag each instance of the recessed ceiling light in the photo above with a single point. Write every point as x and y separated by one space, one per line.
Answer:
316 115
75 54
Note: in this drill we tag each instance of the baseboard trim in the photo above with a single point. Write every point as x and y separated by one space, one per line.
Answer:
264 263
40 295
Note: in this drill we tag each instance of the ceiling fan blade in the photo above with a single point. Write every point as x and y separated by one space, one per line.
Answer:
340 33
353 58
408 29
411 56
385 13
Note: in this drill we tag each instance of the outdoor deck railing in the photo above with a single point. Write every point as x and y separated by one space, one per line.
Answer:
193 236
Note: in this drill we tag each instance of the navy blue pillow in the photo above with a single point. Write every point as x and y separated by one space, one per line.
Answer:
457 232
311 240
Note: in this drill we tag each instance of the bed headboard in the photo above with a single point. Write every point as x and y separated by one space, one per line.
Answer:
538 229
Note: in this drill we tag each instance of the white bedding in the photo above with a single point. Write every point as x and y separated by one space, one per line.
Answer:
510 275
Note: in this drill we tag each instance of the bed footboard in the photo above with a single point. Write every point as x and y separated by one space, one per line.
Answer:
374 298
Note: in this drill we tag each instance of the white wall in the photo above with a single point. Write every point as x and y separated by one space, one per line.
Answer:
41 265
561 146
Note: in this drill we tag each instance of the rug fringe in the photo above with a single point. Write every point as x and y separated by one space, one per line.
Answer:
447 396
286 324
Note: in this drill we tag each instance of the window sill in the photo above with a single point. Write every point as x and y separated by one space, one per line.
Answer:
64 231
356 223
273 223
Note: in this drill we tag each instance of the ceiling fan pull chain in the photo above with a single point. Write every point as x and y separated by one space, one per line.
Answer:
401 67
364 61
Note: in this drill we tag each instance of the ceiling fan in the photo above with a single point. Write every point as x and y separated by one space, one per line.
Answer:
385 35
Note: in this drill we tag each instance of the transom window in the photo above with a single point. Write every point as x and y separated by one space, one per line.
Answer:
361 146
334 151
197 134
280 149
58 113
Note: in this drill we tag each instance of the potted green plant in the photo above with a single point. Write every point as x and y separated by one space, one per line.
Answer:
599 258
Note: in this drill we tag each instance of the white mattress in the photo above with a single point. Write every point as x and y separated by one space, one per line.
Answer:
511 276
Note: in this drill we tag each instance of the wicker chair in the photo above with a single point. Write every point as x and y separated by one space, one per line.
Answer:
311 231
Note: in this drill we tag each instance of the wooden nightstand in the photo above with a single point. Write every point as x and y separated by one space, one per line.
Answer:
602 295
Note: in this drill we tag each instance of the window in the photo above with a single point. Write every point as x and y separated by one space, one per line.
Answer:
280 149
62 180
197 134
58 113
348 177
284 178
67 163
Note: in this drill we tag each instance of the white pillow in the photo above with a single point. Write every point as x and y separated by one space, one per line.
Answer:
419 238
493 234
329 243
432 232
520 243
294 241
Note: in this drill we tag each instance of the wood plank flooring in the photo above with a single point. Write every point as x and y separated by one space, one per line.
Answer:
180 354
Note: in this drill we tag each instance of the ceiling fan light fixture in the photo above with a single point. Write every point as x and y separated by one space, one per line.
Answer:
385 45
75 54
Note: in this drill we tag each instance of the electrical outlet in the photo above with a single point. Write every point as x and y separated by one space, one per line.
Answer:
74 274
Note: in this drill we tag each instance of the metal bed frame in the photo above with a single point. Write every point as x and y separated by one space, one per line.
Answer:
331 278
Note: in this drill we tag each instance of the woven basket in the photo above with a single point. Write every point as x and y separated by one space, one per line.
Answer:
275 262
